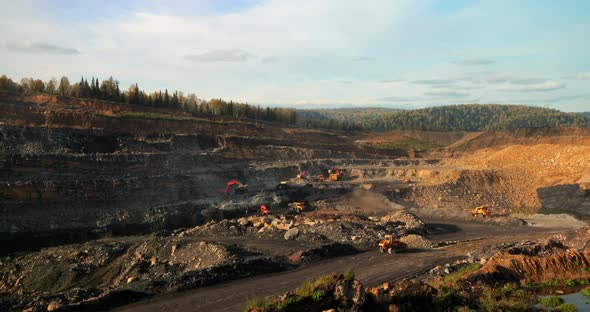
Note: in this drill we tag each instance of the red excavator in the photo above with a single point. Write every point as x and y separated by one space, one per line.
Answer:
264 210
303 174
242 188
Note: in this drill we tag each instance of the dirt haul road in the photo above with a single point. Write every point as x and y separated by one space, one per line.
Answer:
371 268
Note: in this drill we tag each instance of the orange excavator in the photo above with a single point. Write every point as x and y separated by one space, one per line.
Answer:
483 210
264 210
241 188
391 244
335 174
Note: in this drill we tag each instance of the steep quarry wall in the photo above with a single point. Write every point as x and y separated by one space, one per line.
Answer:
92 182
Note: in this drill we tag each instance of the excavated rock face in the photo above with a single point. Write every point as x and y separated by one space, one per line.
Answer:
537 261
542 248
349 293
505 267
406 295
578 239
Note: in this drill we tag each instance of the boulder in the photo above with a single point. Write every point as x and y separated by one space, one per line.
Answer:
53 306
292 234
243 221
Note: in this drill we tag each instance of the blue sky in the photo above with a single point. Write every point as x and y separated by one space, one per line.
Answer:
313 53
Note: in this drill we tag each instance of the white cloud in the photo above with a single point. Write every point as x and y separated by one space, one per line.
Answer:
583 76
39 47
447 94
496 78
444 81
535 87
234 55
398 99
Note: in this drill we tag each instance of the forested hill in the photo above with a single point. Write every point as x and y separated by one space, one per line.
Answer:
475 117
471 117
339 118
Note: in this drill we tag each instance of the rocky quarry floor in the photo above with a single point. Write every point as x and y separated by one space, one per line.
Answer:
102 273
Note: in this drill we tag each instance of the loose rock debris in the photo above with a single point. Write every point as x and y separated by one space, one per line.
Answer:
98 272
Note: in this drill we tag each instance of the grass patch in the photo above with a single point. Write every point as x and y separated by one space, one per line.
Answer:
258 303
410 143
283 305
552 301
507 298
314 289
348 274
309 286
568 307
452 279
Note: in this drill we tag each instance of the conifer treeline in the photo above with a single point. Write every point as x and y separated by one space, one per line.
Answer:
109 90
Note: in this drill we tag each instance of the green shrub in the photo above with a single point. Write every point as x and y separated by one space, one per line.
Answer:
570 282
317 295
568 307
551 283
552 301
586 292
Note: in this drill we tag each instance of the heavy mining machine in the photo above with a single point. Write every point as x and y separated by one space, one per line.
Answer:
483 210
241 188
297 207
264 210
335 174
391 245
303 174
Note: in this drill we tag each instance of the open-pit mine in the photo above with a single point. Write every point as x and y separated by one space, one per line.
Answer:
101 212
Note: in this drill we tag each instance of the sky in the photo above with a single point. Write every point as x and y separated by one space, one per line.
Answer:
313 53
